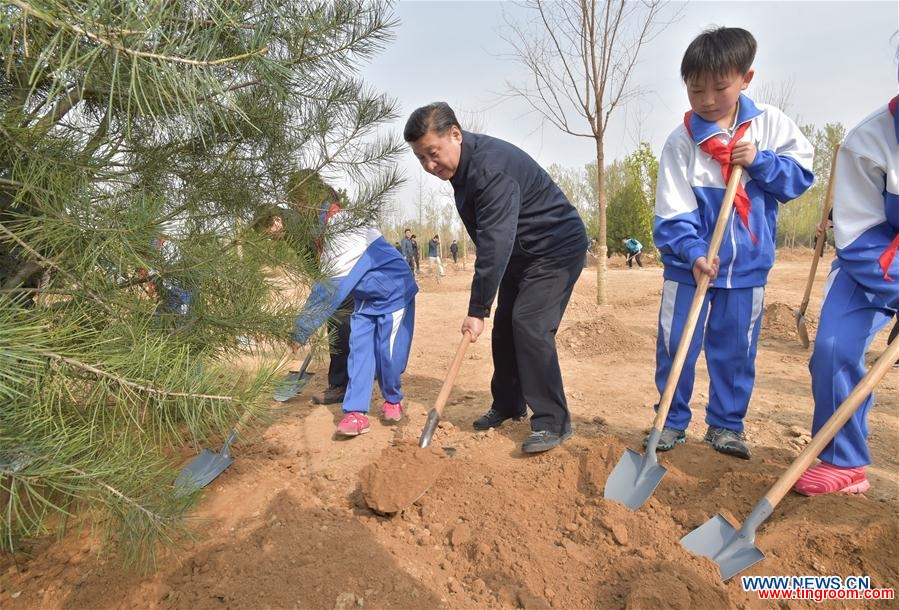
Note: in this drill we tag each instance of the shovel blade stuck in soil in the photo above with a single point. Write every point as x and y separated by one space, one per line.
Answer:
293 383
801 329
204 468
430 427
634 479
732 549
290 387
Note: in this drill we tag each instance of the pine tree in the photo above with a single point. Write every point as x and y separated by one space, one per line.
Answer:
138 140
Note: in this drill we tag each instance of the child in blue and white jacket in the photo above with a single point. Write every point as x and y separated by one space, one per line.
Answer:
360 263
861 294
723 129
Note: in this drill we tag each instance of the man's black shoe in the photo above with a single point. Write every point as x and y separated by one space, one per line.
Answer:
543 440
493 419
333 395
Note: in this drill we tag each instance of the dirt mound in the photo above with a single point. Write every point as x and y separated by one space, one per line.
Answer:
599 336
577 550
400 476
779 322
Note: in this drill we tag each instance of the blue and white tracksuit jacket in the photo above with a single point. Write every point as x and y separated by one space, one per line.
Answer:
858 299
688 198
360 263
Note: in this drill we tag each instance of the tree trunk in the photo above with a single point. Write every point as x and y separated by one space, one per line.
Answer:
602 241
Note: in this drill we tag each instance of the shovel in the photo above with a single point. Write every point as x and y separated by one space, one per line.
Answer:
293 383
204 468
819 248
734 550
635 477
434 415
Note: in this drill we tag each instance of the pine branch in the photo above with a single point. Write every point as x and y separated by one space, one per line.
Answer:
61 24
148 389
49 263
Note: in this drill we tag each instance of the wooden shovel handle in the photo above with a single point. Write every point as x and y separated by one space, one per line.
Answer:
819 242
833 425
702 287
453 371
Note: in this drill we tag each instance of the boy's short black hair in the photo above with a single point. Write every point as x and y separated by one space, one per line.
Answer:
719 51
437 117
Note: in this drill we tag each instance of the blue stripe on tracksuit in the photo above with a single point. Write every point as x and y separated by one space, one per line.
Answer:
730 356
391 336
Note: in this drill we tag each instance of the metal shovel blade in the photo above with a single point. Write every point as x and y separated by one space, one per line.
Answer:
290 387
430 427
204 468
634 479
733 550
801 328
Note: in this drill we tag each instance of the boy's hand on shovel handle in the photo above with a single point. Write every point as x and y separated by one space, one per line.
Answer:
702 267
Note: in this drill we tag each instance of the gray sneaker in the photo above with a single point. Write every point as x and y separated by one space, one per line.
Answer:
668 439
494 419
543 440
728 441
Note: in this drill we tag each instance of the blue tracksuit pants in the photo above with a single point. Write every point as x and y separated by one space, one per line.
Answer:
850 317
379 346
728 330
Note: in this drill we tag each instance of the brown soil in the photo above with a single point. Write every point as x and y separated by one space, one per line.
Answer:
400 475
779 321
605 334
289 524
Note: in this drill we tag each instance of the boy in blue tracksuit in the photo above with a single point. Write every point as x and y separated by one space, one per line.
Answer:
861 294
723 129
361 264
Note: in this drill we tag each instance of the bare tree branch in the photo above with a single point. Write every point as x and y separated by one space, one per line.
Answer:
581 57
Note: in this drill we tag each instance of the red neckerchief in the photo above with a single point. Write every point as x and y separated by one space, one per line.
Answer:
721 153
886 259
326 215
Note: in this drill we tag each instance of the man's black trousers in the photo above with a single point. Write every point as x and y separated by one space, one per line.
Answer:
533 295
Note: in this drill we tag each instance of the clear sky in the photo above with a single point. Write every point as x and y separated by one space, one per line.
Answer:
838 59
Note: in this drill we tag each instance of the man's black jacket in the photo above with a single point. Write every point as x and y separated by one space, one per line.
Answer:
510 207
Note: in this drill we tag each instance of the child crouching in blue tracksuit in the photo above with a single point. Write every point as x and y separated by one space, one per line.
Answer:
361 264
861 294
723 129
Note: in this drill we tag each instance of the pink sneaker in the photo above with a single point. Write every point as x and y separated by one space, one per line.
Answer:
827 479
392 411
353 424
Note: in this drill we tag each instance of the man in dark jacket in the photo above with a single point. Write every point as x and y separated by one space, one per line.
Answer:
530 247
407 250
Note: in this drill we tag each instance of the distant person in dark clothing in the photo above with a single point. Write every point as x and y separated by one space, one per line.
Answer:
434 254
416 254
454 250
407 250
530 246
